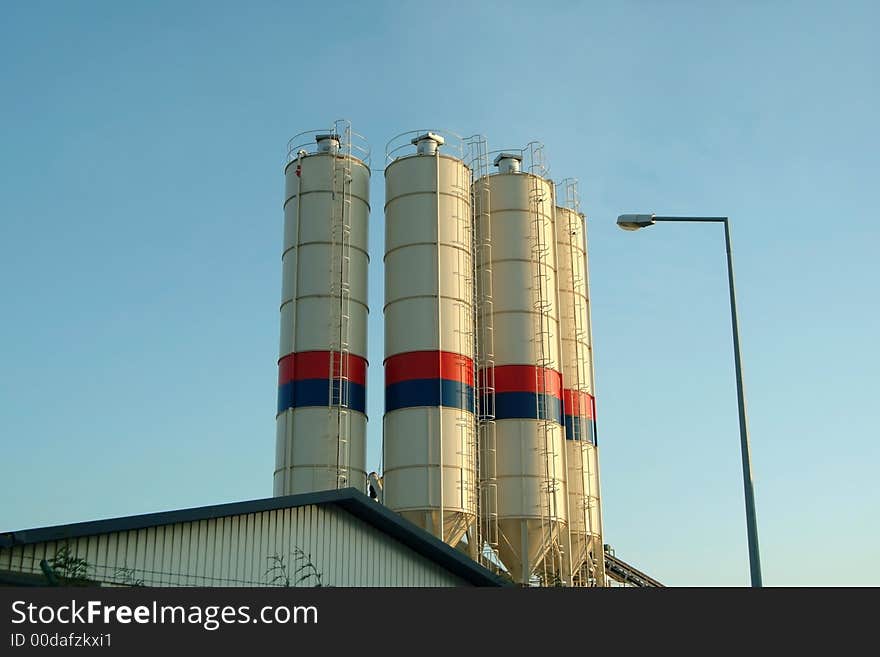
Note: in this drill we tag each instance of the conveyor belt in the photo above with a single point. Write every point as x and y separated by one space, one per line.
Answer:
622 572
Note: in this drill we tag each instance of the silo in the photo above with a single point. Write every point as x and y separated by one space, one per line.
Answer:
578 403
429 446
521 328
321 421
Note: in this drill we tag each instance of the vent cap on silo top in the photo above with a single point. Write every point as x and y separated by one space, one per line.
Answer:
508 162
327 143
428 143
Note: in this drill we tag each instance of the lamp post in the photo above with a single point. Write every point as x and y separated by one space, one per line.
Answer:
637 221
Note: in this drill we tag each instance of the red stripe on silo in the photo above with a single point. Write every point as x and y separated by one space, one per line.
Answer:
285 369
577 403
316 365
527 378
429 365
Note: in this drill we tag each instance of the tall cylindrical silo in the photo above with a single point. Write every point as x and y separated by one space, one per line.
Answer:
429 447
526 382
321 421
578 405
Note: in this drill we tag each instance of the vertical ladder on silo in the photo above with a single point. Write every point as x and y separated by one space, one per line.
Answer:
543 334
484 350
288 443
595 503
462 218
340 271
578 382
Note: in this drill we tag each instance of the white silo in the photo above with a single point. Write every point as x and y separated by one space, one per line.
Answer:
521 328
578 402
429 445
321 421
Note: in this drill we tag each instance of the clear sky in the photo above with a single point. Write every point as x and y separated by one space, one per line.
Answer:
141 147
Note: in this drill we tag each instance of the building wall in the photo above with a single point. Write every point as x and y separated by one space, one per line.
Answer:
237 550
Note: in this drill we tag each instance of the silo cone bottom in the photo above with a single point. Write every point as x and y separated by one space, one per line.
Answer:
468 543
519 536
455 523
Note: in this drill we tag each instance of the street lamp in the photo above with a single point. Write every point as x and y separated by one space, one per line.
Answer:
637 221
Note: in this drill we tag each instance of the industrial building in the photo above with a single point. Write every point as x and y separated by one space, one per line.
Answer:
490 466
332 538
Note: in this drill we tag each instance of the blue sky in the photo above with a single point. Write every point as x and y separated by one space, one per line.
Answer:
141 147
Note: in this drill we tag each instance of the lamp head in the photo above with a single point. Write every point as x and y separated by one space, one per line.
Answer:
635 221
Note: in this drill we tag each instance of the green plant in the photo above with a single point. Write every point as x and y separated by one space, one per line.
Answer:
306 569
278 570
279 574
127 576
65 565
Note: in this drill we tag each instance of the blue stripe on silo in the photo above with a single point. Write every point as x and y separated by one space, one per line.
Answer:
429 392
524 406
315 392
578 428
